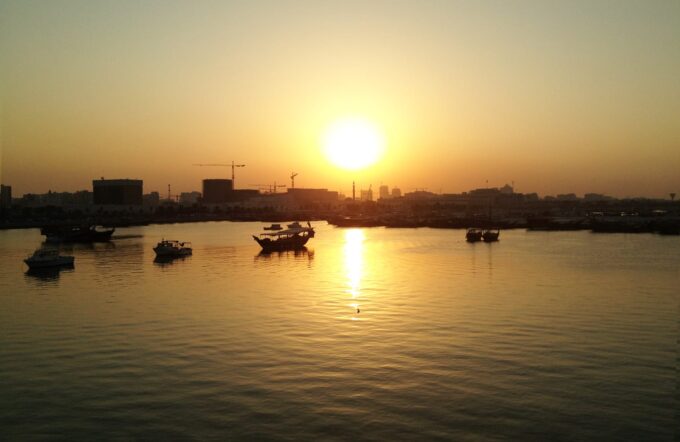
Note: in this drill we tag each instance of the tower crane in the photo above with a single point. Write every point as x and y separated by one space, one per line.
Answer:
232 165
292 179
272 188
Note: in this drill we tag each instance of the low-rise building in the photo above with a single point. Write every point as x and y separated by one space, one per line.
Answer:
189 198
151 200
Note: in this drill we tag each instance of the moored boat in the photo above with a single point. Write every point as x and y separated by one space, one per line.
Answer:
46 258
473 235
491 235
77 233
171 248
293 238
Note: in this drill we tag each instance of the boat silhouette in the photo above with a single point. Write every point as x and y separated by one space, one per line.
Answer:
293 238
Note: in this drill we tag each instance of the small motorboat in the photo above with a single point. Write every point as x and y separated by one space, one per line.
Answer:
274 227
473 235
491 235
46 258
170 248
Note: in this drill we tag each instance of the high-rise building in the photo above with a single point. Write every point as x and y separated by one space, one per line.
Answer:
396 192
5 196
117 192
384 192
217 191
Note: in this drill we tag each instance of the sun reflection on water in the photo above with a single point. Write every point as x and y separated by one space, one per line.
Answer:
353 251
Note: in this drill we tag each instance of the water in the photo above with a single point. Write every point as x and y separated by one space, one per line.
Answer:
371 334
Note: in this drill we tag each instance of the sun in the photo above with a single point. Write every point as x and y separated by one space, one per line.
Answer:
353 143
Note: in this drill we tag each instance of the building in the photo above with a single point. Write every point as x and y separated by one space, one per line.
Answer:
151 200
367 195
117 192
240 195
303 197
420 195
507 190
531 197
567 197
396 192
484 192
189 198
5 196
77 200
295 199
384 192
596 197
217 191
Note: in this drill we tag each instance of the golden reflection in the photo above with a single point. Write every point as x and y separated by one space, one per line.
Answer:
353 250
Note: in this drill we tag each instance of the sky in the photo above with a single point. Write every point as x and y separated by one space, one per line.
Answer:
557 97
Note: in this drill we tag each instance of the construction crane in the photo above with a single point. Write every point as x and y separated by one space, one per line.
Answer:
232 165
172 197
292 179
271 187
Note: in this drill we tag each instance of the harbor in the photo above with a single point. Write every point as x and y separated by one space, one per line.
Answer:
149 336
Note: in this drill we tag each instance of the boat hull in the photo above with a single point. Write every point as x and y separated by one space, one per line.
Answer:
76 234
473 237
62 261
490 236
281 244
171 253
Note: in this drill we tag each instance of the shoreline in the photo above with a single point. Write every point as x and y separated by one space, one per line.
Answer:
658 225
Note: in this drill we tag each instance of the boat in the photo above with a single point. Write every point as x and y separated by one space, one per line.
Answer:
171 248
473 235
491 235
77 233
46 258
293 238
274 227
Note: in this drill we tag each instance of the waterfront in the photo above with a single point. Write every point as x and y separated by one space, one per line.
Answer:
375 334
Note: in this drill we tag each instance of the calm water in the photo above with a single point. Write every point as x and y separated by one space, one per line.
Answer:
542 336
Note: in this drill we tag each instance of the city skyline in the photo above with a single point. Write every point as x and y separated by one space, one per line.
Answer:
559 98
360 191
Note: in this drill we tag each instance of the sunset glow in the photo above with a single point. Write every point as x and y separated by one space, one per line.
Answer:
353 144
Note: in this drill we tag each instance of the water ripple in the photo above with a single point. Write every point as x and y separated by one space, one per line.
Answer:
370 334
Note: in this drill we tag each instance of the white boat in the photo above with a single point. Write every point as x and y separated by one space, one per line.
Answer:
172 248
44 258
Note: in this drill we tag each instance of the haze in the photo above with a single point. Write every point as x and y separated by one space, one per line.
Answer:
558 97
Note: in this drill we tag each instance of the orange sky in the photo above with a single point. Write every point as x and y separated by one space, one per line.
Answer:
572 97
